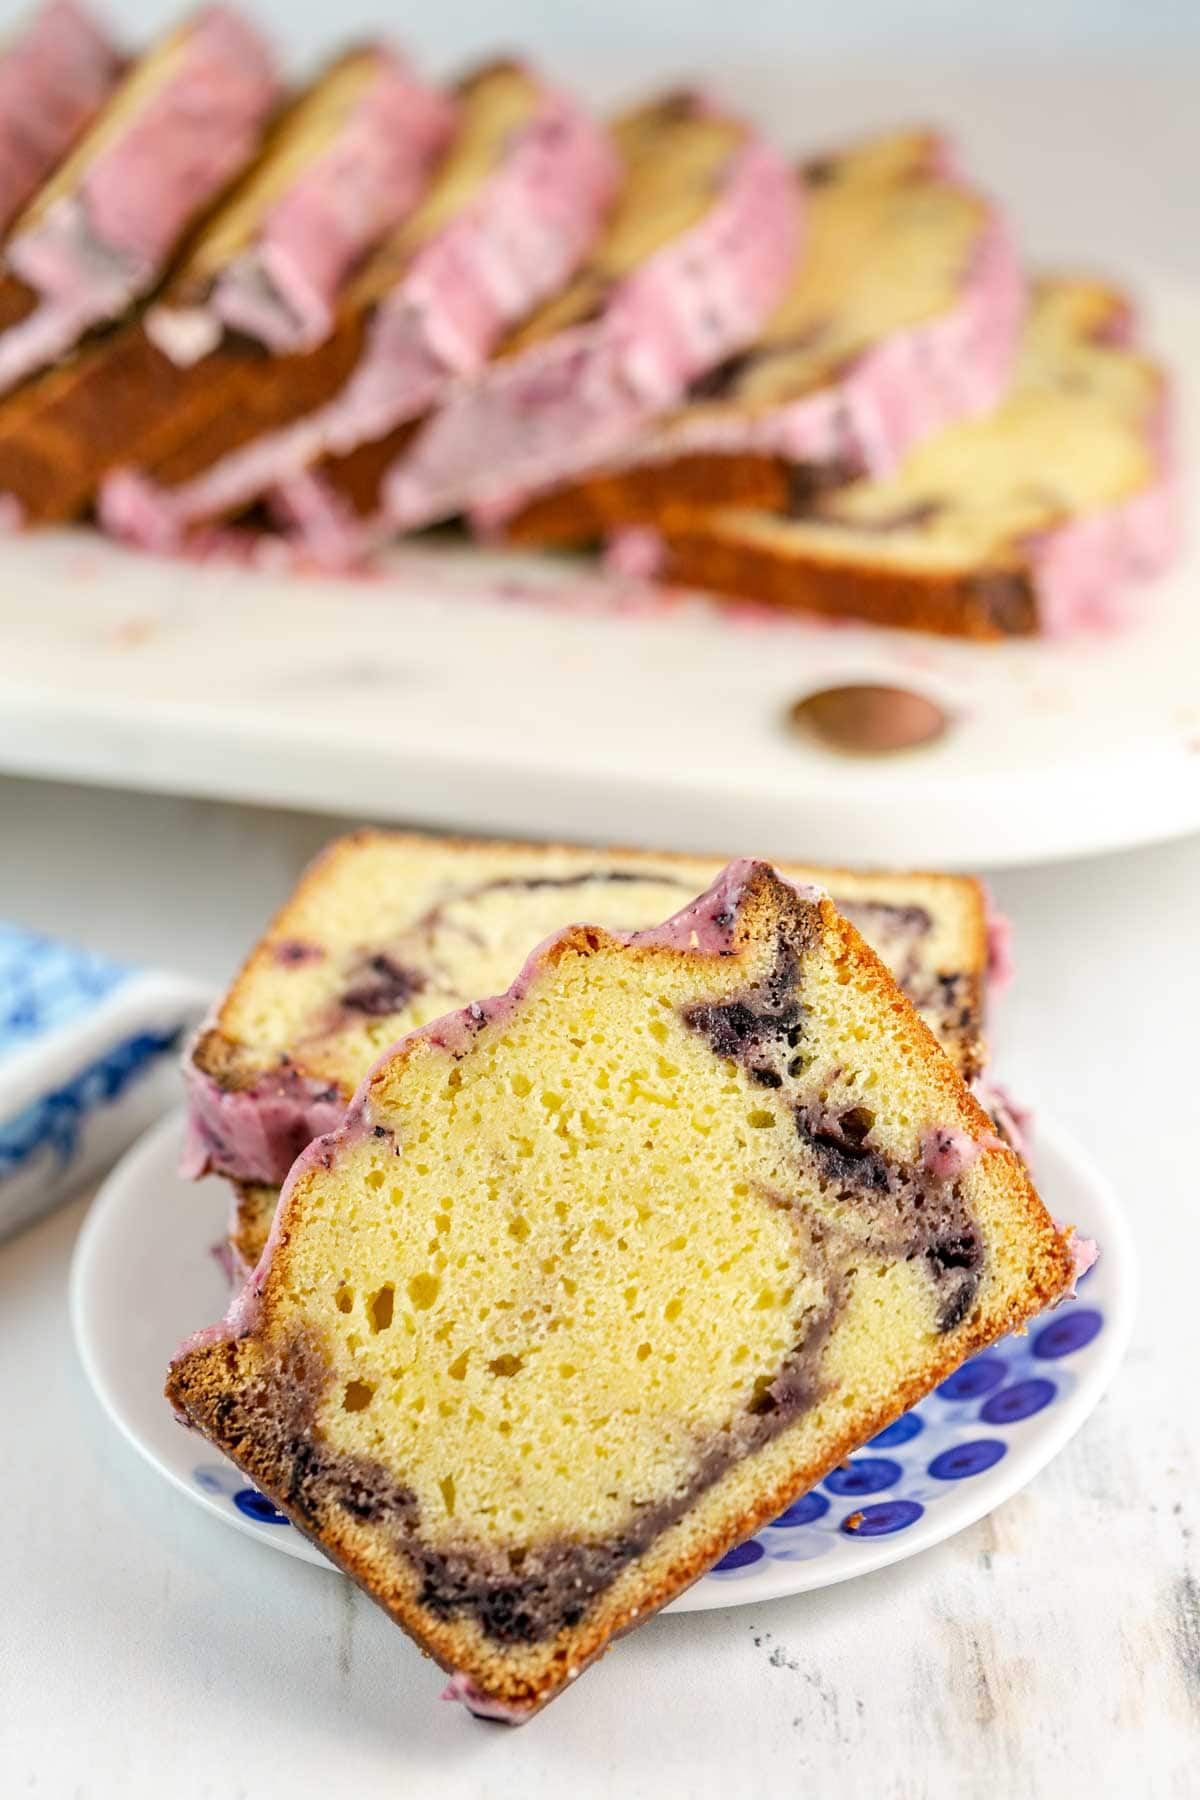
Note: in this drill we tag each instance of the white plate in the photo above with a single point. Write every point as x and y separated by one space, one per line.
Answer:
970 1445
439 704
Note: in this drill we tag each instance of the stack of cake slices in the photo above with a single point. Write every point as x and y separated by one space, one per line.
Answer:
1035 518
578 1286
320 261
897 312
677 275
900 315
512 207
388 931
377 305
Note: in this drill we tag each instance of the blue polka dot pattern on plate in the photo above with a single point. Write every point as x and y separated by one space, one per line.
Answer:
1071 1331
957 1432
865 1475
740 1557
804 1511
1020 1401
211 1480
256 1506
967 1459
901 1431
979 1376
883 1518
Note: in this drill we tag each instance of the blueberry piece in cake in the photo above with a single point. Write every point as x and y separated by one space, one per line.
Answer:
599 1276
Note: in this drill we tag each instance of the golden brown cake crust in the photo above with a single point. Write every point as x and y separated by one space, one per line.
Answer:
244 1398
354 479
249 1225
654 493
985 604
220 1054
121 400
205 1386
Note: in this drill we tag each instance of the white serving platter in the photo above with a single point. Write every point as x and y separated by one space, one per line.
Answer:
524 695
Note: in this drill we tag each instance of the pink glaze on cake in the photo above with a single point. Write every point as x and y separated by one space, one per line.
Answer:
102 244
1000 965
510 248
54 76
1085 1252
888 398
255 1133
464 1690
1082 570
636 552
1013 1121
948 1153
282 288
564 404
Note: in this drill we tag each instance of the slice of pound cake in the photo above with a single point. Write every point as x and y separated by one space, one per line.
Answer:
55 72
513 206
98 235
694 255
248 315
598 1277
387 931
901 315
1034 519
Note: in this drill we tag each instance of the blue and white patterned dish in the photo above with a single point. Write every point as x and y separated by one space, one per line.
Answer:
963 1450
87 1053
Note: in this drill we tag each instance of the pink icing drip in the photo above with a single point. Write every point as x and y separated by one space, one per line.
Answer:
100 246
251 1134
538 417
1000 966
54 75
947 1153
463 1689
894 394
283 287
636 552
321 521
1083 568
1084 1254
1015 1121
514 245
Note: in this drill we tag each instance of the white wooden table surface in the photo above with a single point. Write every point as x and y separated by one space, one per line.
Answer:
1054 1649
